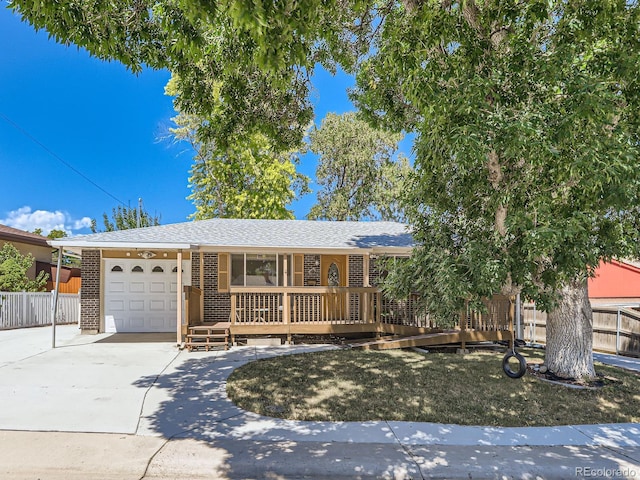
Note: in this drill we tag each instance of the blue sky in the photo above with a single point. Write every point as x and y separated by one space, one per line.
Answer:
106 123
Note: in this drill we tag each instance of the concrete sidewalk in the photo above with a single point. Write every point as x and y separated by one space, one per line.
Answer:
62 456
99 407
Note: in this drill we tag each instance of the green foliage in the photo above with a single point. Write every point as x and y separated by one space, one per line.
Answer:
260 55
246 178
358 176
124 218
55 233
208 46
13 271
527 141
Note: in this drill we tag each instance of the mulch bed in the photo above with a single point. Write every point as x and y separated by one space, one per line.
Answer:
550 377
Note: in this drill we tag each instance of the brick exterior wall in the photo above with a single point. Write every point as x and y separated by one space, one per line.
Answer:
356 279
356 271
311 271
195 270
217 306
90 291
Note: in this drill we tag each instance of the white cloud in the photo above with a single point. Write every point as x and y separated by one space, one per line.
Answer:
84 222
25 219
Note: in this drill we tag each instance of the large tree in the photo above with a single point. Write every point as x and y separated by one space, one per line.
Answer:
244 177
357 172
525 115
527 143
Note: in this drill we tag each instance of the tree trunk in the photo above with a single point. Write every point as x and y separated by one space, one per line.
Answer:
570 334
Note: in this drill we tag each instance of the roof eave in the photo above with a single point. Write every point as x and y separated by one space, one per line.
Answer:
10 237
69 243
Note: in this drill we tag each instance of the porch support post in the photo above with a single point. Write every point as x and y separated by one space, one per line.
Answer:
365 270
285 297
179 300
54 307
378 314
365 298
234 314
202 295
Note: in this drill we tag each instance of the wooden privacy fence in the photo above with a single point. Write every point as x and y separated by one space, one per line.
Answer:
615 329
32 309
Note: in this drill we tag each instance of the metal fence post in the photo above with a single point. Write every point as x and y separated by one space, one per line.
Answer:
54 303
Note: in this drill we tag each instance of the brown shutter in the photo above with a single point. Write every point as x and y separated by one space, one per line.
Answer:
223 272
298 270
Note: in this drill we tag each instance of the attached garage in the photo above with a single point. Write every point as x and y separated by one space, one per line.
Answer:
141 295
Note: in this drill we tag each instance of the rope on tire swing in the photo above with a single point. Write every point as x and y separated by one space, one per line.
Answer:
512 353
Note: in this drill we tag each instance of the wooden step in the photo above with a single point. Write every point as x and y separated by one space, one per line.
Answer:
208 336
213 335
194 345
207 330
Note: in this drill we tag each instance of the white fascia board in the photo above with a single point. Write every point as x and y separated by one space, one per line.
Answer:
69 243
288 249
392 250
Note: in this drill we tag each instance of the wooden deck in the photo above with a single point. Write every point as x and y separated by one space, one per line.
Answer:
288 311
433 339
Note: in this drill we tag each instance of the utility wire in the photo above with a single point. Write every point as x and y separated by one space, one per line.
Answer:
53 154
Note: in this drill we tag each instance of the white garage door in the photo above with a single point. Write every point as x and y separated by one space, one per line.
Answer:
141 295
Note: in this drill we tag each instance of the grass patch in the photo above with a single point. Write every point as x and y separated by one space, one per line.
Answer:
404 385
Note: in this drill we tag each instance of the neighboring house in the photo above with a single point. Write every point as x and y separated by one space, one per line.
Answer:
39 248
276 276
617 283
28 243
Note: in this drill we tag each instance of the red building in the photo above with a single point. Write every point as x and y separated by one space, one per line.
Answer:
616 282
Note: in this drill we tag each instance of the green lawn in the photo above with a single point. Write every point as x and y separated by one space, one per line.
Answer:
354 385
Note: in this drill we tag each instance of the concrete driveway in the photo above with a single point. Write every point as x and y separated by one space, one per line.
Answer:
83 385
116 408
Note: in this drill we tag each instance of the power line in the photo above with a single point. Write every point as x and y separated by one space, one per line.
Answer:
54 155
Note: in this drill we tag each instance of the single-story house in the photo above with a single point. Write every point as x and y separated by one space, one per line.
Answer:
28 243
279 277
616 283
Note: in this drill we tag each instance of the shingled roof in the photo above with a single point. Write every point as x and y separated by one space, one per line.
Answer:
267 234
11 234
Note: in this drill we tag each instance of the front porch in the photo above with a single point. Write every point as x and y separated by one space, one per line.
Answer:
288 311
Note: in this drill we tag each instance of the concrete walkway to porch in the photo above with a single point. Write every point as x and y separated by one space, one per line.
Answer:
103 408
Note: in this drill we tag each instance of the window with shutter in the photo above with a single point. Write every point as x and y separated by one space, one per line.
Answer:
223 272
298 270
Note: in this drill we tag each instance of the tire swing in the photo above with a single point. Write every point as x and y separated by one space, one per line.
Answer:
506 364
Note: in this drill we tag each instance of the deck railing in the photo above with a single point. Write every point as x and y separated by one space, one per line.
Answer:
256 310
496 317
309 305
404 312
